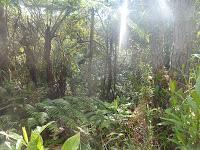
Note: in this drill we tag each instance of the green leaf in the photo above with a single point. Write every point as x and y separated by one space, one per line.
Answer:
195 96
40 129
36 142
173 121
12 135
8 146
19 144
72 143
172 118
197 86
192 104
174 101
172 86
116 103
25 134
196 56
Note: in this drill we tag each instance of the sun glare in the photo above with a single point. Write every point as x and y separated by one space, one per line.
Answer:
124 15
165 9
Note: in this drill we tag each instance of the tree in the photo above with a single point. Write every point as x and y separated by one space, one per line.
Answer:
4 61
90 55
49 35
27 43
157 30
183 11
109 90
156 36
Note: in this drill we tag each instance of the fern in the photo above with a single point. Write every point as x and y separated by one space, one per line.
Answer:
85 114
70 111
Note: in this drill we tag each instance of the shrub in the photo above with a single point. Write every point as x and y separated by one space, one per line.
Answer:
184 117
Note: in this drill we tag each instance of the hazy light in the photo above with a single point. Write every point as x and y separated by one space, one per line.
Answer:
123 25
165 9
24 9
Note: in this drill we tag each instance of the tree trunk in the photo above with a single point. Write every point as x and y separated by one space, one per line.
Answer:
156 37
109 92
91 50
72 86
30 61
72 80
103 83
182 39
62 82
47 57
157 46
115 70
4 61
157 56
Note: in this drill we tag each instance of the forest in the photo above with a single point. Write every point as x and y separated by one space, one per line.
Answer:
99 74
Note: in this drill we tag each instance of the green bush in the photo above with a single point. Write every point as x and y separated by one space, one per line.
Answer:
184 117
92 116
35 141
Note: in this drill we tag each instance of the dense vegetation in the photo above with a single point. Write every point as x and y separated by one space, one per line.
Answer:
100 74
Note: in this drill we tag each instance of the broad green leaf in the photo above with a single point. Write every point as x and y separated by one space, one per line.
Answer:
19 144
72 143
36 142
25 134
12 135
172 86
8 146
40 129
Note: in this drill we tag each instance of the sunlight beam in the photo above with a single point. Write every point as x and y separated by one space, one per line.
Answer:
165 9
123 24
